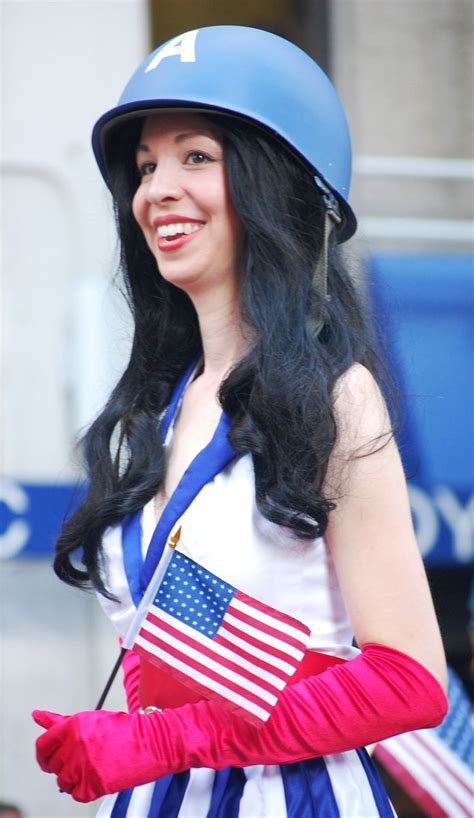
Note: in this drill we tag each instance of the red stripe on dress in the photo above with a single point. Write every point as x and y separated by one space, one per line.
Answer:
266 629
207 650
283 617
206 671
263 646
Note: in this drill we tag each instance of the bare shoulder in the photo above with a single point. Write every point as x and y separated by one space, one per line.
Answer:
357 382
361 414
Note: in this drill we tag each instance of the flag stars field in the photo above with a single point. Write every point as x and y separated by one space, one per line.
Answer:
191 594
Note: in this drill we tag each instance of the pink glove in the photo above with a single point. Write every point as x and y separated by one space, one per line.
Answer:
131 679
95 752
378 694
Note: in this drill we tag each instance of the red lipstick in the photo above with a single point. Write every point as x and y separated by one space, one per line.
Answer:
169 243
174 218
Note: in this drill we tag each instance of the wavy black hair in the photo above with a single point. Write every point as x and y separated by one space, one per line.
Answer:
278 397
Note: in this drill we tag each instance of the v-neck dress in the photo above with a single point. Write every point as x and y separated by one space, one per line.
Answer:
222 529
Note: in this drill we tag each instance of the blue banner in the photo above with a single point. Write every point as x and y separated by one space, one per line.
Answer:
425 304
31 516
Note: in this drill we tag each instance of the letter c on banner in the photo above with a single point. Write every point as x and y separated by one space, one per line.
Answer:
15 537
183 46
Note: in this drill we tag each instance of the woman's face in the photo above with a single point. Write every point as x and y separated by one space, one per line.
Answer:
182 203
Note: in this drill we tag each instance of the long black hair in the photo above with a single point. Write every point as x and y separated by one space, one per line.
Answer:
278 397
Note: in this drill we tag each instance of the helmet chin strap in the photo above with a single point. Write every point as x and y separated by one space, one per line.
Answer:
332 218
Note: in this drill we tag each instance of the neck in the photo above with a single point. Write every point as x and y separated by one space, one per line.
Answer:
223 337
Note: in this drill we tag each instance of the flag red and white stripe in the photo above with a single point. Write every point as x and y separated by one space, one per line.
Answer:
431 775
434 766
220 641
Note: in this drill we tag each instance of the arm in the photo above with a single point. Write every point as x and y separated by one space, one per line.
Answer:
391 687
370 534
378 694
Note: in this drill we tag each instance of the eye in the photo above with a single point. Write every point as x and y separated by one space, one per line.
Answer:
197 158
146 169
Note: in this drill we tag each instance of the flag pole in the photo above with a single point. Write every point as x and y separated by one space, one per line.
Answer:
110 680
135 625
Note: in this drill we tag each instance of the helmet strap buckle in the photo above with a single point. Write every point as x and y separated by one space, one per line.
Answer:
320 275
332 218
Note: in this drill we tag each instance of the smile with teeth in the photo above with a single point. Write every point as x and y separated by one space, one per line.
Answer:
166 230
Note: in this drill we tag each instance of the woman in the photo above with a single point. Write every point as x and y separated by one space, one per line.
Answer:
228 158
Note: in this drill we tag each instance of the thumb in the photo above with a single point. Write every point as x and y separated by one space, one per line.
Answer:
46 719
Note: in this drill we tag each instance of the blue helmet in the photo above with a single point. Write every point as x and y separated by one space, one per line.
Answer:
254 75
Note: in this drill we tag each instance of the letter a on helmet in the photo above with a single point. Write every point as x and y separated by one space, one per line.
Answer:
181 46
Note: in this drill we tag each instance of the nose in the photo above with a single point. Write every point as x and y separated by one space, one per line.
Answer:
164 184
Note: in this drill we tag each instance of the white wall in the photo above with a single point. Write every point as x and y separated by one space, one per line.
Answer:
404 71
64 63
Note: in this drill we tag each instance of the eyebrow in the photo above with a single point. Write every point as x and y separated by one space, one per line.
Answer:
181 137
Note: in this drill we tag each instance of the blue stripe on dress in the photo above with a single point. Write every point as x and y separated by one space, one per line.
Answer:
227 792
132 553
121 804
168 795
378 790
308 790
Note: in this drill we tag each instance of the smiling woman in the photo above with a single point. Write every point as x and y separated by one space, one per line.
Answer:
249 432
182 203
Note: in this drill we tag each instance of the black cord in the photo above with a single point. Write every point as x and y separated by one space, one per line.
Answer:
110 680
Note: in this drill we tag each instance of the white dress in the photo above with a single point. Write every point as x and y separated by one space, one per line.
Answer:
222 529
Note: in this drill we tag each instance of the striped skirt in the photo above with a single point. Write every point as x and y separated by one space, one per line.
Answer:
345 785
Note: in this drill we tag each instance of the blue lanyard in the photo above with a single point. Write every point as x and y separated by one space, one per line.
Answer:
203 468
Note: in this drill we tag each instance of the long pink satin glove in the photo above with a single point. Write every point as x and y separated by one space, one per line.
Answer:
378 694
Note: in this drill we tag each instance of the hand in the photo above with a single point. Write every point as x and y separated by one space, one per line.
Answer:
95 753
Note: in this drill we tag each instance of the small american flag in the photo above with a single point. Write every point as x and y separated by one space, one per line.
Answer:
220 641
435 766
